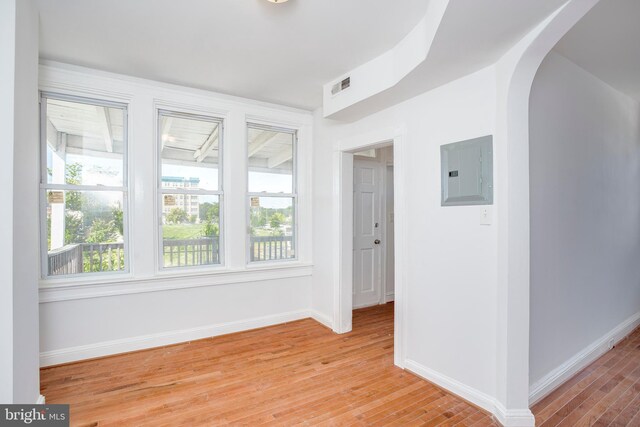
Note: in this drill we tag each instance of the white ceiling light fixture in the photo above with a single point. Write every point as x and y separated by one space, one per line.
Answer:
278 1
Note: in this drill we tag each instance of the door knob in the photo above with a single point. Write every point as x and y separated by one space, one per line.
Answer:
377 241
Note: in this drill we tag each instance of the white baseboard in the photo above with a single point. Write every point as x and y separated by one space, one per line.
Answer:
508 418
581 360
390 296
474 396
41 400
513 417
321 318
124 345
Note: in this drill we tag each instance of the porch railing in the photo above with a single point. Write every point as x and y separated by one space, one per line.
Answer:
269 248
98 257
188 252
65 260
87 258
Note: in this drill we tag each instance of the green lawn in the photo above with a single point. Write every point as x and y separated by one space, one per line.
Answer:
182 231
194 231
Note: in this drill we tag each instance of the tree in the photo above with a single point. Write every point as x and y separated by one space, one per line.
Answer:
258 217
276 220
210 229
73 227
208 209
73 176
102 231
73 218
118 219
177 216
210 225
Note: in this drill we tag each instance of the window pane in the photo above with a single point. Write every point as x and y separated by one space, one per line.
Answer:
270 161
190 152
190 230
84 231
85 144
272 228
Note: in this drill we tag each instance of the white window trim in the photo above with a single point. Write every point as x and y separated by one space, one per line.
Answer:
44 186
68 291
294 195
144 97
160 192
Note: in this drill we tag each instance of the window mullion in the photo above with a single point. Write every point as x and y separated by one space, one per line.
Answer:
71 187
165 190
272 195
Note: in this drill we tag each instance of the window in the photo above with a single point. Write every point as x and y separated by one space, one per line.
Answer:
83 186
272 193
190 189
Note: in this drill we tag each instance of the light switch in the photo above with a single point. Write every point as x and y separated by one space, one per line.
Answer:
486 217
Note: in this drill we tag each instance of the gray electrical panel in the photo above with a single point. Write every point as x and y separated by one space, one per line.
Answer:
467 172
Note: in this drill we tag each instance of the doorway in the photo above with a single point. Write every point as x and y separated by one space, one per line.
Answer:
343 263
373 249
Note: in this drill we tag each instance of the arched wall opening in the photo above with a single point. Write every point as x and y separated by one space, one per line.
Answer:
584 168
515 76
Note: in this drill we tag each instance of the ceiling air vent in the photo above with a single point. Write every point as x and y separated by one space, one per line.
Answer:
340 86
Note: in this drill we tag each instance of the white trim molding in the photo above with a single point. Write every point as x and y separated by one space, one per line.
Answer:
513 417
118 286
143 342
41 400
343 217
508 418
389 296
554 379
321 318
142 98
470 394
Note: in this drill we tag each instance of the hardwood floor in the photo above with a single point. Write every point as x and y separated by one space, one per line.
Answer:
607 393
296 373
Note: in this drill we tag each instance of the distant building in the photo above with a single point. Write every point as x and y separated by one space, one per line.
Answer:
188 202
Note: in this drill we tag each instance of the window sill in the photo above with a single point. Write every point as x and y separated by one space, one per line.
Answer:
53 290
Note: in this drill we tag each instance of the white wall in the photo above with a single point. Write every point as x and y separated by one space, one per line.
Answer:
84 328
7 73
86 316
451 295
25 199
585 212
19 373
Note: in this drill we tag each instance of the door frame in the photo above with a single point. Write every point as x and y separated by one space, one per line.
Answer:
385 231
343 218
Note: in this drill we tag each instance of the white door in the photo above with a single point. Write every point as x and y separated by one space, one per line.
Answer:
367 277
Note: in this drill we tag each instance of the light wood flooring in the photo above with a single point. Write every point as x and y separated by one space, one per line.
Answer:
607 393
295 373
302 373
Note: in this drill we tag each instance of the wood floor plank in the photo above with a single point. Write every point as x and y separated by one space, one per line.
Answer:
613 390
290 374
607 393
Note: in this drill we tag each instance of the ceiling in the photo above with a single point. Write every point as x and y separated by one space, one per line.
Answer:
606 43
475 34
472 35
280 53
